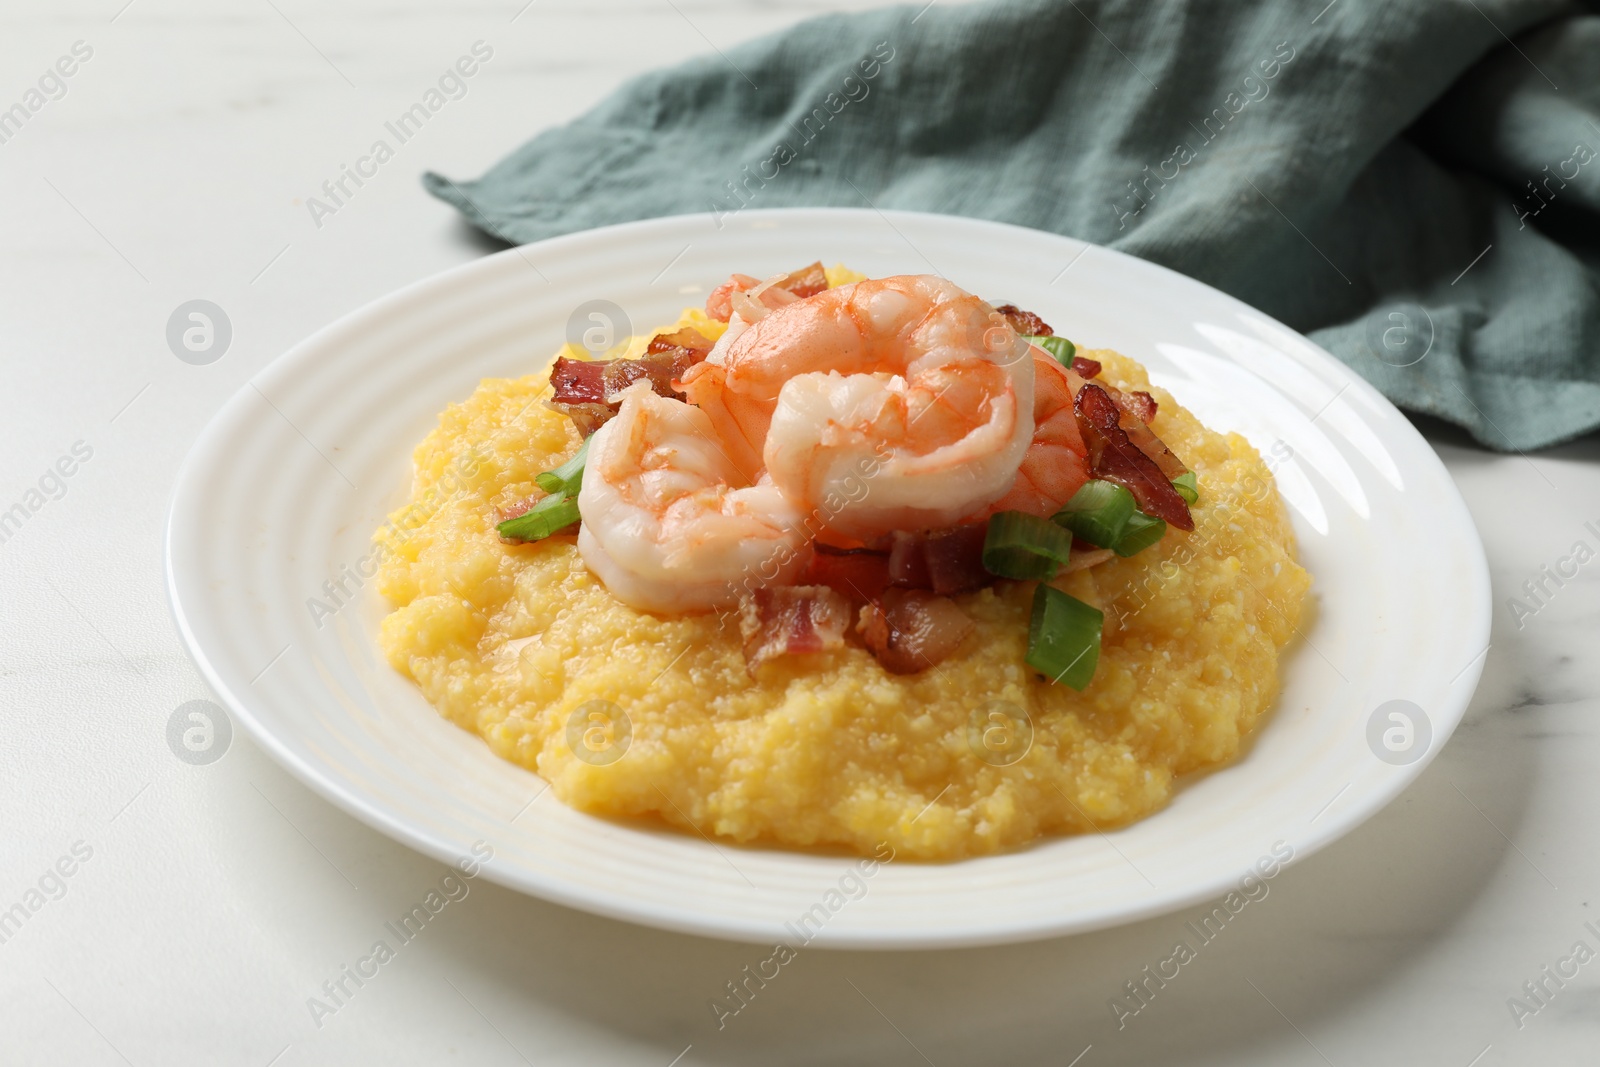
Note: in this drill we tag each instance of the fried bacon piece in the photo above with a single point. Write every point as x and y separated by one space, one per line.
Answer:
1025 323
577 381
585 390
807 281
947 561
1116 458
680 343
1141 405
910 630
908 567
1138 412
586 418
858 574
791 620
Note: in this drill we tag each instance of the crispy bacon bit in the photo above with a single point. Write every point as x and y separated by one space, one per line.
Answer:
807 281
947 561
1085 368
955 559
687 339
1138 430
659 372
1134 408
585 390
577 381
1025 323
857 574
908 565
586 418
1114 457
1141 405
792 620
910 630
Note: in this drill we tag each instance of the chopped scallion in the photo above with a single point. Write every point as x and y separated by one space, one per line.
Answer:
1188 486
1059 347
1098 512
553 513
567 478
1140 533
558 510
1023 546
1064 637
1105 514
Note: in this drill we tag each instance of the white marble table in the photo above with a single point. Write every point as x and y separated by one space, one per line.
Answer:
207 903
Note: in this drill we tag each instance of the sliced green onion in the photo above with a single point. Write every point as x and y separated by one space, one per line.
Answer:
1098 512
1064 637
558 510
567 478
550 515
1059 347
1023 546
1105 514
1140 533
1188 486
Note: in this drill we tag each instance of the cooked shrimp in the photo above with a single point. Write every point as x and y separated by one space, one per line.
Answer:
741 302
669 524
899 403
780 289
1056 464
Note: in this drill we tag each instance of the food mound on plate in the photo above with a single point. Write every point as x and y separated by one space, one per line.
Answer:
840 562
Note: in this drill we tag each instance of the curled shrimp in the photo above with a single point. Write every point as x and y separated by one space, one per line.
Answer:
898 403
669 524
1056 463
740 423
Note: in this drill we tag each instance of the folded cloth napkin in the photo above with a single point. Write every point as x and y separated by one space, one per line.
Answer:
1416 186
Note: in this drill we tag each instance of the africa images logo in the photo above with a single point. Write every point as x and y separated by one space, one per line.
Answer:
452 888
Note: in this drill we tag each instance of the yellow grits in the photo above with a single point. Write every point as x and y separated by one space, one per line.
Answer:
509 641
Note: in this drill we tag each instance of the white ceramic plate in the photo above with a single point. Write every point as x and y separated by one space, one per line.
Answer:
283 489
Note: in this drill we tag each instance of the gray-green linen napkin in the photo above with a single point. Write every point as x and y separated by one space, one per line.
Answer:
1392 179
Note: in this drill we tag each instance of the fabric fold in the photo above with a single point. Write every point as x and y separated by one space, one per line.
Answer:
1416 187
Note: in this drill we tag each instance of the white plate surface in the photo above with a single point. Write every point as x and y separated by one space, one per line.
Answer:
284 487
